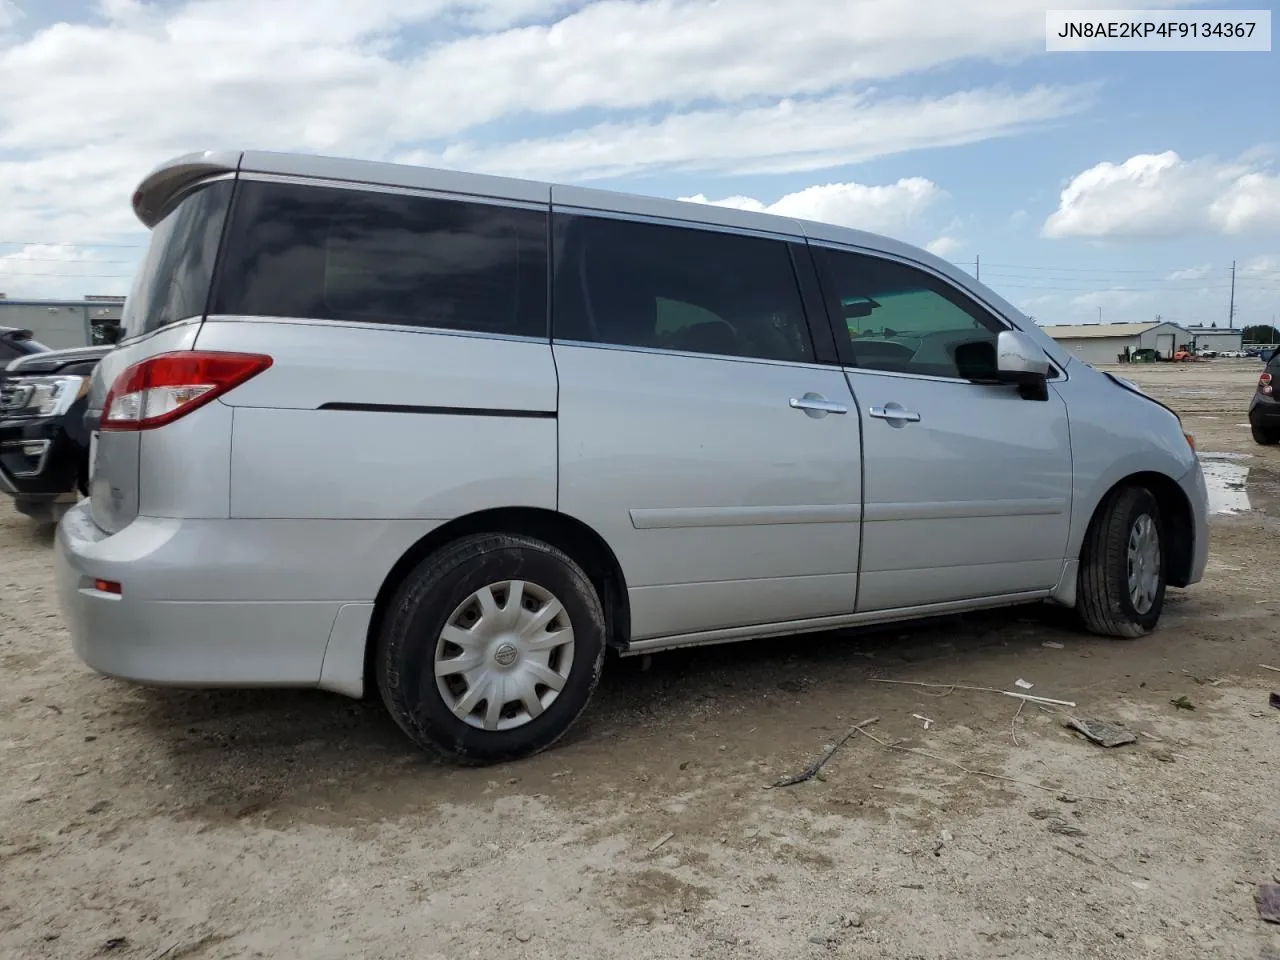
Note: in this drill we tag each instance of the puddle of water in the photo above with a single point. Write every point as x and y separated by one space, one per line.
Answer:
1226 483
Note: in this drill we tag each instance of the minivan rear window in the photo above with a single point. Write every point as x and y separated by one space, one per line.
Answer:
173 282
331 253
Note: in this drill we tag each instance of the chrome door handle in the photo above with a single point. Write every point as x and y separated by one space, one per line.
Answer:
894 412
816 405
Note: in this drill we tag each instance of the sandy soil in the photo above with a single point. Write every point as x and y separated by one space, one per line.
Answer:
149 823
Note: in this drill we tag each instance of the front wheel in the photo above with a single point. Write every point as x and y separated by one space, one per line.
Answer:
1122 566
1267 436
491 648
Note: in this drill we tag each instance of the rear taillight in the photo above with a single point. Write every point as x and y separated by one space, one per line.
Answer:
1264 383
165 387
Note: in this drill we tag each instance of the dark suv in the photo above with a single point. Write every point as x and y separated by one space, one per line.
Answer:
44 447
16 343
1264 408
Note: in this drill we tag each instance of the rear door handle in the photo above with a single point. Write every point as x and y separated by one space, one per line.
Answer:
816 405
892 411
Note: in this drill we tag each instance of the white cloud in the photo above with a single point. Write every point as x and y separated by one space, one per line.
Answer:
89 107
1190 273
63 270
1252 202
1266 266
943 246
1162 194
121 10
891 209
790 136
1110 300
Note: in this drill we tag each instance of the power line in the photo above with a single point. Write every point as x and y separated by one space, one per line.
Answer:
1121 279
18 258
1028 266
70 243
998 283
1222 273
66 276
1231 310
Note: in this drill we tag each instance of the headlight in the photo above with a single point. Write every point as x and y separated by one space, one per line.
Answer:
40 396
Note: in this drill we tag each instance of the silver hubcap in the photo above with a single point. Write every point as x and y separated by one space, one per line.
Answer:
1144 563
504 655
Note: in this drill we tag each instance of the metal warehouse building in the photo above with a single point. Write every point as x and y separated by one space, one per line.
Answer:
1218 339
62 323
1105 342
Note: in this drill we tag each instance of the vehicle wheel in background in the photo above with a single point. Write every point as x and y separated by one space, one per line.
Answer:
1264 435
491 648
1122 566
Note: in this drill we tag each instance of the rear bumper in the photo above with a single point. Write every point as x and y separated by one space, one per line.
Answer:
169 626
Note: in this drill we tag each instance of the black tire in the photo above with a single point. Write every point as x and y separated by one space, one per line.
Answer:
1103 599
1265 436
418 612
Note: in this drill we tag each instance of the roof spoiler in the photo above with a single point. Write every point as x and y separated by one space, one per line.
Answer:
158 188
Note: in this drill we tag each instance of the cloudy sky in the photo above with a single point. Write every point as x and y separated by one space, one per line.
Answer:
1126 183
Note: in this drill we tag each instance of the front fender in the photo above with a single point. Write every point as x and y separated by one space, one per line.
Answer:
1116 434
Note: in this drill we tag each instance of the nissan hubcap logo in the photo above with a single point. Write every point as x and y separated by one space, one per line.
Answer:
505 655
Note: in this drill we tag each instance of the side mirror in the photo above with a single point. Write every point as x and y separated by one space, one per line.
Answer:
1020 360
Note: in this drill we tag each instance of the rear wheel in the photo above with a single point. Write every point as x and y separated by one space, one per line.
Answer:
1267 436
1122 566
491 648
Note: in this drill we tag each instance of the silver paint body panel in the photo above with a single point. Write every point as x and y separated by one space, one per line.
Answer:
253 536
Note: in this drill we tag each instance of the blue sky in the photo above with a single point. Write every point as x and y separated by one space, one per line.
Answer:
1118 184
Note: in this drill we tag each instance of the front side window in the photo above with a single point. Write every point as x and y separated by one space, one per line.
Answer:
173 282
336 254
675 288
894 317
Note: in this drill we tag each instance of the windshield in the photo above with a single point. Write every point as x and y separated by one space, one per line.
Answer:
173 282
28 346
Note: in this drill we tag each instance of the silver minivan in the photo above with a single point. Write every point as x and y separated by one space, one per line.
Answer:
452 437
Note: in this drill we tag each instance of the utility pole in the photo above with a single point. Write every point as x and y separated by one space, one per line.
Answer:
977 266
1231 310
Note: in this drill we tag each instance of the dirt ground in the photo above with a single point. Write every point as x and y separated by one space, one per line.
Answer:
142 823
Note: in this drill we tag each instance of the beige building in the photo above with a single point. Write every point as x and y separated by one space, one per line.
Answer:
1106 342
62 323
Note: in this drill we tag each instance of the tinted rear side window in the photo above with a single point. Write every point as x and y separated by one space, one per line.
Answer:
677 288
173 282
337 254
